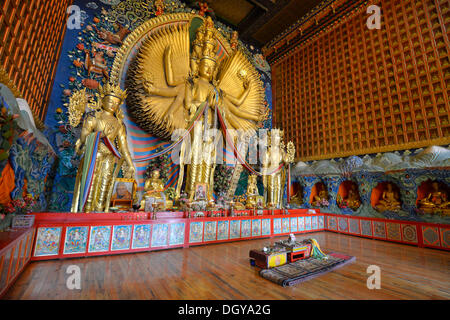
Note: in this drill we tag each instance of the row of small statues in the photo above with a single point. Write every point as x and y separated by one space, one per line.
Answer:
435 200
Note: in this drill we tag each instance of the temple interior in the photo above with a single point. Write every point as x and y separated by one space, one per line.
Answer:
224 150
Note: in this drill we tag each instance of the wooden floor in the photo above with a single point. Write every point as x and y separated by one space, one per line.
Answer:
222 271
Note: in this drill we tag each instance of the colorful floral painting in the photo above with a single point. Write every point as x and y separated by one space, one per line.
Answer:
256 228
307 223
301 223
314 223
277 226
141 236
246 229
176 234
196 232
47 242
222 230
265 230
159 235
210 230
286 225
76 240
121 237
235 229
293 224
99 238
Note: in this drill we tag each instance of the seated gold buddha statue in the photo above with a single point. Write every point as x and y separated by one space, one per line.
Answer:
154 188
389 200
436 200
297 199
252 192
352 200
321 197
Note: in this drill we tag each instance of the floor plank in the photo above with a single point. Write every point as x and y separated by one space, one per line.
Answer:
222 271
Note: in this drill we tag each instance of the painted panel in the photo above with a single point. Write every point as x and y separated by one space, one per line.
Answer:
366 227
445 237
76 240
307 223
301 223
409 233
160 235
343 224
286 225
246 228
141 236
379 229
332 223
277 226
47 241
222 230
99 238
256 228
121 237
321 222
210 231
235 229
353 226
265 227
431 236
196 232
314 224
393 231
176 233
294 225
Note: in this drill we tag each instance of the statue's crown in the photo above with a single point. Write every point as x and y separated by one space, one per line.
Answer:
209 45
111 89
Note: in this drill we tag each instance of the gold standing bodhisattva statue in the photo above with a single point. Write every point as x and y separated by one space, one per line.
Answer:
103 143
274 179
169 86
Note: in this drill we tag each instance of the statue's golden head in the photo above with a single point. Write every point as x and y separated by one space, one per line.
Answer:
111 96
207 57
156 174
207 68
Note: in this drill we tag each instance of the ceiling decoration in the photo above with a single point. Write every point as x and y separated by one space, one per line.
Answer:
259 21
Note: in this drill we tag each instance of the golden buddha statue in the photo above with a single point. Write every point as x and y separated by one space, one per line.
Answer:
297 199
154 188
274 177
389 200
353 201
104 146
322 196
435 201
252 192
173 88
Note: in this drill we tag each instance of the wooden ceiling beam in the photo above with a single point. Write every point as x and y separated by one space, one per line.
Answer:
259 16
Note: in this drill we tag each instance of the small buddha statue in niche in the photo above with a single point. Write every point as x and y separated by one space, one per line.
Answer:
436 200
352 200
297 199
389 200
321 199
154 188
252 192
